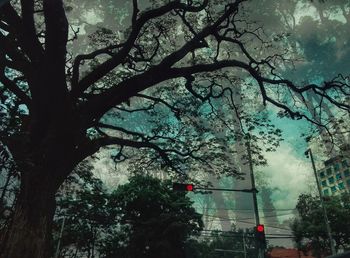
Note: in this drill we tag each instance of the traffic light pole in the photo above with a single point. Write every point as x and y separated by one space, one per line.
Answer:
255 202
328 228
252 178
253 190
183 187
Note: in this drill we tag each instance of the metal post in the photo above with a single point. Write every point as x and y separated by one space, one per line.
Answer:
59 238
328 228
244 246
255 202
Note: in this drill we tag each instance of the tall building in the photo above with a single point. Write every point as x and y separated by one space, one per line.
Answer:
334 177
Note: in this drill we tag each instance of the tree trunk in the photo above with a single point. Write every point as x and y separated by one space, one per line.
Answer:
29 235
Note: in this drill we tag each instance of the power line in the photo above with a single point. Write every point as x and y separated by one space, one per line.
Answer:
272 216
207 231
229 234
280 237
269 237
267 225
248 210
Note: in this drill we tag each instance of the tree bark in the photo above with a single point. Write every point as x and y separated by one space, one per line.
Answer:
44 168
29 235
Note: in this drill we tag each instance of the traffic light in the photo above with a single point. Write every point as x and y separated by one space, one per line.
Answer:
183 187
260 236
260 228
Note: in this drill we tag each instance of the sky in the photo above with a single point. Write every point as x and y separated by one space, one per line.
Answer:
289 172
318 33
288 166
288 169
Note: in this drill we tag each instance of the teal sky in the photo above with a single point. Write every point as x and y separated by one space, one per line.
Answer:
317 36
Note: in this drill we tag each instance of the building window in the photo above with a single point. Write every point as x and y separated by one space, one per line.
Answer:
338 176
324 183
346 172
336 167
348 182
326 192
341 186
333 189
329 171
322 175
344 164
331 180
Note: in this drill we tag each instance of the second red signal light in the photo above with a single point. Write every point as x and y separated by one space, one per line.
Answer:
183 187
189 187
260 228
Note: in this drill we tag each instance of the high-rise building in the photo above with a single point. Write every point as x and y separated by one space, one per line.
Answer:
334 177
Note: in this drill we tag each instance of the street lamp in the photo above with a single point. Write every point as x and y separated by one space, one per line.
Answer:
307 153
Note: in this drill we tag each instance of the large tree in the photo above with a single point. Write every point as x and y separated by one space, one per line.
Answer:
59 103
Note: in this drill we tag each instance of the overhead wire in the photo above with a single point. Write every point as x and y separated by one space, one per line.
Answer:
252 223
247 210
278 215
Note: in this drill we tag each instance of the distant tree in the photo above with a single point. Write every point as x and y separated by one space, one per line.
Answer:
309 229
143 218
62 102
217 244
156 220
83 212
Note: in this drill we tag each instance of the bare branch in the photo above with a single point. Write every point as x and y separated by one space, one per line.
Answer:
24 29
105 141
11 49
159 100
119 57
134 12
121 129
15 89
92 55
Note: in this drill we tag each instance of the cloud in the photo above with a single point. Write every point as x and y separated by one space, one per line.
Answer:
289 174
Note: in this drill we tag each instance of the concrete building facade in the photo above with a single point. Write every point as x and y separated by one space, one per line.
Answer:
334 177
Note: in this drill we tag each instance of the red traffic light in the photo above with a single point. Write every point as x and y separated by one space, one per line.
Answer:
260 236
189 187
260 228
183 187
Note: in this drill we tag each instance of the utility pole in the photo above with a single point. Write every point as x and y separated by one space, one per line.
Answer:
326 221
255 202
244 246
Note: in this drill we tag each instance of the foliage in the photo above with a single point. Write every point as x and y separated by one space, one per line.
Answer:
217 244
309 229
187 93
82 208
143 218
160 220
9 178
142 75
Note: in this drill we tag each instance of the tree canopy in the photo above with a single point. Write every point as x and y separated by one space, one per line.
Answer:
153 75
142 218
309 229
